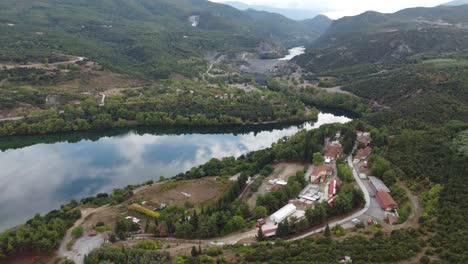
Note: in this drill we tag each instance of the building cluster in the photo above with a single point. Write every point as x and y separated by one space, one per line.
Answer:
324 185
333 149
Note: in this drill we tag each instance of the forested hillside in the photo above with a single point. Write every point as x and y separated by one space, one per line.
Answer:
150 38
388 38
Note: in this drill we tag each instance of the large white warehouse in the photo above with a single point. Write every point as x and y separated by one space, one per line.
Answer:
283 213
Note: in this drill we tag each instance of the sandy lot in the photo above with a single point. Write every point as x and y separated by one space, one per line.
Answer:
197 191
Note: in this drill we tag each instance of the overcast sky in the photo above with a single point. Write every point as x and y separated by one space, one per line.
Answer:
339 8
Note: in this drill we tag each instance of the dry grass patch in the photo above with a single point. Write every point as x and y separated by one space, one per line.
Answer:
197 191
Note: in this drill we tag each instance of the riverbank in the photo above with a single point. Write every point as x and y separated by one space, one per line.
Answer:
72 166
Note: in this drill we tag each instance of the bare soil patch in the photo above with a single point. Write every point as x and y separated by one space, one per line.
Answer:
105 214
197 191
282 171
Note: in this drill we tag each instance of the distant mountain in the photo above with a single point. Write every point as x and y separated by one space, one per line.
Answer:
296 14
373 37
319 23
457 3
149 37
280 25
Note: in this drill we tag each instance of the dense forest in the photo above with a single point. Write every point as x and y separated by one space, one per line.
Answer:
183 103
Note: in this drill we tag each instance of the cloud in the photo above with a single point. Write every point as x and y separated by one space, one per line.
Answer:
339 8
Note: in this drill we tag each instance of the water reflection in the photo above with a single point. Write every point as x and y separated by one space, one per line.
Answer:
40 177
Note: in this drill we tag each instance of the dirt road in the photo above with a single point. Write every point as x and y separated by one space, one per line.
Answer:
42 65
83 245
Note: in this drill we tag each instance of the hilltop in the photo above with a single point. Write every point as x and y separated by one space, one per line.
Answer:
374 37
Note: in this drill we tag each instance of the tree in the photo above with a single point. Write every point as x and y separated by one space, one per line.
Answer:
260 236
148 244
344 173
283 228
327 231
389 177
194 251
77 232
260 212
236 223
163 229
318 158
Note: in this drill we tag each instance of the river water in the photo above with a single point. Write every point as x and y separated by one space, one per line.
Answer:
293 53
42 176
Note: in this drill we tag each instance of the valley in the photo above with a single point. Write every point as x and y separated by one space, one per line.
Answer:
187 131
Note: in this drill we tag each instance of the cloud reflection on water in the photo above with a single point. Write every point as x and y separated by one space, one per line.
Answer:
39 178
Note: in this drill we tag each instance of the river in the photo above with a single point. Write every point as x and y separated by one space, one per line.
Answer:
265 65
42 176
293 53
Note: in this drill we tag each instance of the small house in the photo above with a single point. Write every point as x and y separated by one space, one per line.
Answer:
333 188
332 152
362 154
320 173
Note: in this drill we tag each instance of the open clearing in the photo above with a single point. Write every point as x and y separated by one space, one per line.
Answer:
282 171
197 191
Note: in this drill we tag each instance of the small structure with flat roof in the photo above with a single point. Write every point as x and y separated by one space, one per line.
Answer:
378 185
283 213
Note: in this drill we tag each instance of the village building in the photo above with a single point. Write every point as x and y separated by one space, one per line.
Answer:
311 193
386 201
275 187
378 185
269 232
362 154
283 213
133 219
333 188
320 173
364 140
332 152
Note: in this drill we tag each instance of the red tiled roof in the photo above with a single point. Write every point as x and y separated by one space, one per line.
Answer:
333 151
320 169
364 140
385 200
332 188
92 233
276 187
363 153
268 231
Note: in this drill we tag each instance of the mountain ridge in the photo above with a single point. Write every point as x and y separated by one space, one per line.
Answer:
373 37
296 14
141 37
